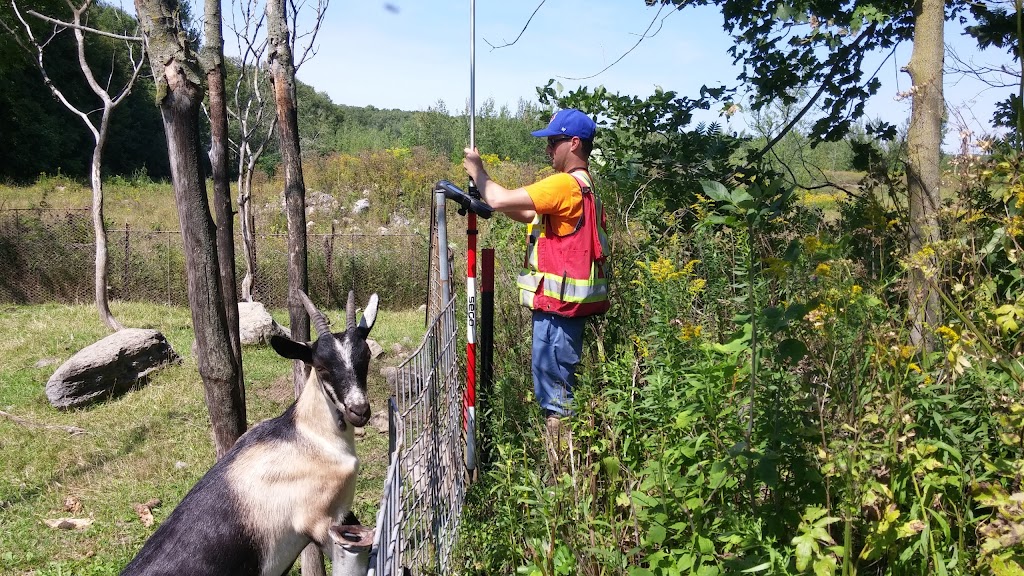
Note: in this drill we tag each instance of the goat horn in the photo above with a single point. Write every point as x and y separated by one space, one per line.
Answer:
319 322
350 309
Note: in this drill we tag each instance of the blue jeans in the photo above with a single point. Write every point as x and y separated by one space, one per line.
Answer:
557 347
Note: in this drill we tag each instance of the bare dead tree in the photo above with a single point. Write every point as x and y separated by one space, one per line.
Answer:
282 67
255 119
99 127
178 78
249 105
213 61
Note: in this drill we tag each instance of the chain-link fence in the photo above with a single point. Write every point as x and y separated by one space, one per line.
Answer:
49 256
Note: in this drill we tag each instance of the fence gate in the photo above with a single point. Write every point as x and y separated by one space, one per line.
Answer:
425 485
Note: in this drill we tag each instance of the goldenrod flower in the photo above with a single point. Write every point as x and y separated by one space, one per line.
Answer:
947 334
822 269
664 270
641 347
690 331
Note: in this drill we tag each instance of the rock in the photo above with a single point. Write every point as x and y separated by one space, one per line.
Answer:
375 348
256 325
390 374
361 205
108 368
380 421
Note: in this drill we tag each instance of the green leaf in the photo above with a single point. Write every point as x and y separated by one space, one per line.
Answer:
1006 566
792 350
656 535
805 547
715 190
825 566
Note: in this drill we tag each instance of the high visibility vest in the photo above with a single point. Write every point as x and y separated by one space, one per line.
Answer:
567 275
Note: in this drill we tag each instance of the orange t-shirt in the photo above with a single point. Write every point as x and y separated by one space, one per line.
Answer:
559 198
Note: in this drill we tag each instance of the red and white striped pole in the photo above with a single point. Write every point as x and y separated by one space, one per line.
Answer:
471 233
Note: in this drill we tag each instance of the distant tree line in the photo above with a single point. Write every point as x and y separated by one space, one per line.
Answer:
40 136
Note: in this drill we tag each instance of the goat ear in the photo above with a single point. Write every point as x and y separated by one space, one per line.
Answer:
291 349
369 316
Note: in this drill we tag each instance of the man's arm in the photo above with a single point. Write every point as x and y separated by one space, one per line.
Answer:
516 204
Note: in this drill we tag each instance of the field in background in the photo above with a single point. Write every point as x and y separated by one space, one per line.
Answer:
150 443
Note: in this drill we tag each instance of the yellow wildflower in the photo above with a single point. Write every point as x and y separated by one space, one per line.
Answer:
947 334
817 316
664 270
1014 226
855 290
822 269
696 286
690 331
700 207
641 347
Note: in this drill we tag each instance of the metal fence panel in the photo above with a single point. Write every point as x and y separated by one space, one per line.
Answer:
419 517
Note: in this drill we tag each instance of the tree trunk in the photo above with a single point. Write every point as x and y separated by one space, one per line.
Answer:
100 227
282 75
248 221
213 60
282 70
924 140
179 94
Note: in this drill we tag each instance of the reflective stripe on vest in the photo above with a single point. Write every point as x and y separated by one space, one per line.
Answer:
562 294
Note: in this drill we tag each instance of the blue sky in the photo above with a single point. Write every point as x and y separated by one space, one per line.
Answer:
410 54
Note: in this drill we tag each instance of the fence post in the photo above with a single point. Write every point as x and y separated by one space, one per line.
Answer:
328 259
167 278
127 257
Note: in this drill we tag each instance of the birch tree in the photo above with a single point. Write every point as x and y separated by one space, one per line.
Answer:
250 107
99 127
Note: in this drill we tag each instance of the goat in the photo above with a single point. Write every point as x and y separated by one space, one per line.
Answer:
287 480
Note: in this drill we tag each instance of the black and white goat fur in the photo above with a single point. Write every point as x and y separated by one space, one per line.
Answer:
287 480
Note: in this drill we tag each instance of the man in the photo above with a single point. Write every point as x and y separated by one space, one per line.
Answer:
563 280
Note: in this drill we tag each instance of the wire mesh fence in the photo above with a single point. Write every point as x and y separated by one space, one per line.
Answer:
418 520
49 256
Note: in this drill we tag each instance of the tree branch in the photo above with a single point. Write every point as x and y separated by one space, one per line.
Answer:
83 28
810 103
72 430
525 26
643 37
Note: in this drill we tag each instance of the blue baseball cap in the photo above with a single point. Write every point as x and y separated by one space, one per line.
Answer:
569 122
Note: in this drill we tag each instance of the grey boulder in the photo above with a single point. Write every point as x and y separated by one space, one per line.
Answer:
256 325
108 368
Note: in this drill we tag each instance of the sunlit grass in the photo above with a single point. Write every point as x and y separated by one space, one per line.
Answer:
153 442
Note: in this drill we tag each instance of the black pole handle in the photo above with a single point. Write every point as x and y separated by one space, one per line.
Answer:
465 201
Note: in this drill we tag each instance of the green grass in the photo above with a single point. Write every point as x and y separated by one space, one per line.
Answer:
153 442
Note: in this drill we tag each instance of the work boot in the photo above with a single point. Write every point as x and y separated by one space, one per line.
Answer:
556 437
